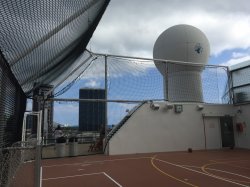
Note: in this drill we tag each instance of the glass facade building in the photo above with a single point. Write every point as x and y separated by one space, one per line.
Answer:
91 113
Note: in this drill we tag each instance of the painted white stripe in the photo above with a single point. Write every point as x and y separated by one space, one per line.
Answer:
213 176
112 179
85 165
223 171
90 162
81 169
87 174
41 176
61 165
72 176
243 176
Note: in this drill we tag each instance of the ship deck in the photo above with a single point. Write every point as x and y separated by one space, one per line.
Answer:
200 168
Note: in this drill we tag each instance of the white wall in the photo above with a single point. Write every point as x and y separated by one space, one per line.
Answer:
242 139
164 130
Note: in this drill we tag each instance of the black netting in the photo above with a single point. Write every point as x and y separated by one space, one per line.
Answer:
42 39
12 106
132 79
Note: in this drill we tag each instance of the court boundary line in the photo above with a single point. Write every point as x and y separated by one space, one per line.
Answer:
41 176
220 170
210 175
86 174
167 174
204 169
97 161
232 165
112 179
71 176
227 159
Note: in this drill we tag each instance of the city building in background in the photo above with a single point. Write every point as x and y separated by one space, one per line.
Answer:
91 113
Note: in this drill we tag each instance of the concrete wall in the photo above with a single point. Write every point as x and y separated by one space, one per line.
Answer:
164 130
242 139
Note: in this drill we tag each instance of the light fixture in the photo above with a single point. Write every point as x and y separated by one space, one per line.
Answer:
154 106
169 106
200 107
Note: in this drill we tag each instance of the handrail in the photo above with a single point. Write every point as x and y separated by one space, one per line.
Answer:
122 122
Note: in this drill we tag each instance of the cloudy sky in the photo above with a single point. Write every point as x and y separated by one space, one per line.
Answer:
131 27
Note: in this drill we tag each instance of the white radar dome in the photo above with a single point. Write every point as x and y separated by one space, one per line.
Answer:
184 43
181 43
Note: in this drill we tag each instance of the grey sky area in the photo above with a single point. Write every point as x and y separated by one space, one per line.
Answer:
131 27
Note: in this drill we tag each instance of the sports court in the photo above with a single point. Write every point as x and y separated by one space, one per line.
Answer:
71 116
199 168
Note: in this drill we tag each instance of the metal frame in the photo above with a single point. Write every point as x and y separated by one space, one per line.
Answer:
38 168
232 87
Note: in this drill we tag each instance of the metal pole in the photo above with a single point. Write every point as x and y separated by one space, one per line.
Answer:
155 59
230 87
24 127
38 151
106 98
101 100
166 82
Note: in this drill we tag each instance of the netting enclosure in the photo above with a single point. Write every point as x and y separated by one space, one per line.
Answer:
17 165
41 40
130 81
12 103
137 79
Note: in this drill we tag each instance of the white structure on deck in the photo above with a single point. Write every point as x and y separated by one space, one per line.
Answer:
183 43
185 122
197 127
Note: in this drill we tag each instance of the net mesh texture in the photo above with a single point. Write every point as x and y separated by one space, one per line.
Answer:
43 39
131 81
17 166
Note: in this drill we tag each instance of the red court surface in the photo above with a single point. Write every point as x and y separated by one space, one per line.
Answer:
223 168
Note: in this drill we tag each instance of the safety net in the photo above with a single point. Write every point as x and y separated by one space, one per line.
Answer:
42 41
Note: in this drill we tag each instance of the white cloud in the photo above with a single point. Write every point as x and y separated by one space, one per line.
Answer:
93 83
66 113
239 55
131 27
64 107
234 61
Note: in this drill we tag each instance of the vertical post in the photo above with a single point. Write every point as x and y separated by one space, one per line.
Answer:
106 103
204 130
230 86
166 82
38 151
24 127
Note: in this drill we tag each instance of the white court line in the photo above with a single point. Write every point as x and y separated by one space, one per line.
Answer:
72 176
243 176
61 165
210 175
112 179
88 174
91 162
85 165
41 176
80 169
223 171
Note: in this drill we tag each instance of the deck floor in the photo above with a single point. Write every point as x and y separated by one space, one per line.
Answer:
199 168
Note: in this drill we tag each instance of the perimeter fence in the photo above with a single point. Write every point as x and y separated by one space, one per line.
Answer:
12 107
138 79
116 86
17 165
